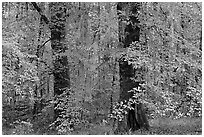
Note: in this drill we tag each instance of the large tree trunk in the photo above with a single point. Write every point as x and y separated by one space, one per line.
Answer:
135 119
61 67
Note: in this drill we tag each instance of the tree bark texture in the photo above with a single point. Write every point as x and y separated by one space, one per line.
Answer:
135 119
58 33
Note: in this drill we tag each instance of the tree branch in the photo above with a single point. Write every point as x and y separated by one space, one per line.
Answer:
45 43
40 12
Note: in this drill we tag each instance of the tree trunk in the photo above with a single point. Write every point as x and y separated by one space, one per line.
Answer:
135 119
61 67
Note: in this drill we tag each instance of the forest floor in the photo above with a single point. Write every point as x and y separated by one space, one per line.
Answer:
167 126
161 126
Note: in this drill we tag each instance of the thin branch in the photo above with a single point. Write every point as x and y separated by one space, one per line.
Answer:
44 43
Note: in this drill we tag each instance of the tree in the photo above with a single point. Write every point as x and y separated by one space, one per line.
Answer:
60 63
127 35
61 67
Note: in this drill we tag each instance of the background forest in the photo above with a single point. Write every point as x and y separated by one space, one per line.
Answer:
101 68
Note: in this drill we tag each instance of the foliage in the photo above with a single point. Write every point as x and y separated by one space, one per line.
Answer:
23 128
70 115
120 109
19 74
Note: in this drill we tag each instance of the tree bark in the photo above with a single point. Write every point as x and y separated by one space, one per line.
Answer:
135 119
60 63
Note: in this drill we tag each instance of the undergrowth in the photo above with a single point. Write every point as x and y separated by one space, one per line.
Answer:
160 126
